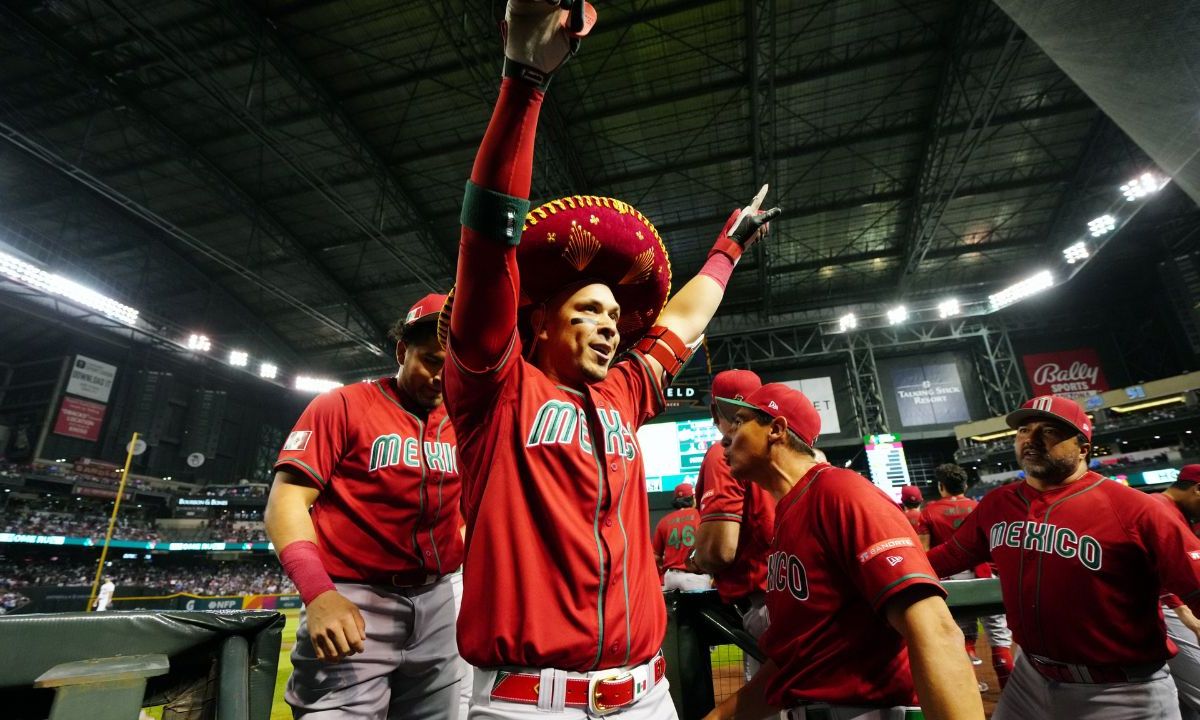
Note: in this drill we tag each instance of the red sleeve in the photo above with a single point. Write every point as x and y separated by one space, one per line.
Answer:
723 497
1175 551
874 542
483 320
315 445
631 379
965 549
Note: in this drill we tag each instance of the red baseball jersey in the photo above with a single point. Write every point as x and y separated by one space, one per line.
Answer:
1170 599
559 570
914 519
1081 568
388 481
842 549
675 536
940 518
723 497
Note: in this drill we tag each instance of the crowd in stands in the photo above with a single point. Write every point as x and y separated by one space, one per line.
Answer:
242 490
248 577
75 516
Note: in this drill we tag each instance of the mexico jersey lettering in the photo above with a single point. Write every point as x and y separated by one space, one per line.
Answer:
1094 539
724 498
841 551
388 479
560 571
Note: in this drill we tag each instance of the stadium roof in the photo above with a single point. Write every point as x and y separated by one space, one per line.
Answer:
285 176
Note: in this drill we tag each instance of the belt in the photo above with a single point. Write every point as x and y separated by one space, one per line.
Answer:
602 692
1095 674
825 711
406 579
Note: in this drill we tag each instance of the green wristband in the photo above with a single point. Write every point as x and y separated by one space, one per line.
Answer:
493 214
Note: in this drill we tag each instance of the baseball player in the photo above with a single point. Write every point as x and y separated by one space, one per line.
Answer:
850 593
105 596
737 521
562 610
364 513
1082 561
674 538
939 520
1183 500
910 503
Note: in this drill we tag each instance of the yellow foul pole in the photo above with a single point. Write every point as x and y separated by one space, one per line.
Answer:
112 523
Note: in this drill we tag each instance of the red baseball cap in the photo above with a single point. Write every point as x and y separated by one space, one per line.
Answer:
910 492
427 308
780 400
684 490
1052 407
735 384
1190 473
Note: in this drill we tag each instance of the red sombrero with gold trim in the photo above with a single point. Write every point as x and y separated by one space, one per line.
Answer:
583 239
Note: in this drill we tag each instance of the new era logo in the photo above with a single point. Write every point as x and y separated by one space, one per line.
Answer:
894 560
772 405
298 440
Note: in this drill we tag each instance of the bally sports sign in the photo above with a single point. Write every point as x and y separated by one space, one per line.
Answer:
1071 373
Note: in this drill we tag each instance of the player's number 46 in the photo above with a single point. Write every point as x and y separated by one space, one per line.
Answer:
687 538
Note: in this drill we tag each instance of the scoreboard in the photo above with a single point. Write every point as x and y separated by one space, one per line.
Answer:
885 460
672 451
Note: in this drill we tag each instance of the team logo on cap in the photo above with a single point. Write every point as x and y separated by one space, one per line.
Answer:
772 405
1045 403
412 315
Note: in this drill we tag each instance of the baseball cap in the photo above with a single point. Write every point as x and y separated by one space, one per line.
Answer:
909 493
1052 407
427 308
735 384
780 400
1190 473
686 490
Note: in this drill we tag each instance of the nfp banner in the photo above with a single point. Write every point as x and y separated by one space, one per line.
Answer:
930 395
1071 373
79 419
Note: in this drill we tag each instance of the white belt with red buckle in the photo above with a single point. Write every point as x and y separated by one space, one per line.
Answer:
602 692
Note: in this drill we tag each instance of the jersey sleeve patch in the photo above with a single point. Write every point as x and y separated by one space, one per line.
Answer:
883 546
297 440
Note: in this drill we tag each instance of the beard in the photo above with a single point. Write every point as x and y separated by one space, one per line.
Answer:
1050 470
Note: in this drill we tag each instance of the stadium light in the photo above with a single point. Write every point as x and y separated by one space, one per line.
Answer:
948 308
1102 225
1019 291
52 284
239 358
315 385
267 371
1076 252
847 322
1141 186
199 343
897 315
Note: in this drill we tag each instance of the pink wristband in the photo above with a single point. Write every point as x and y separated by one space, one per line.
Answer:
719 267
302 562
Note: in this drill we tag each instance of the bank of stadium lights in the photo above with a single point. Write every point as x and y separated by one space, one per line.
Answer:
1141 186
847 322
1021 290
315 385
948 308
1075 253
897 315
267 371
239 358
1102 225
53 284
199 343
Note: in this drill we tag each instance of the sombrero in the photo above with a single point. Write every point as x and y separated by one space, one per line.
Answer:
583 239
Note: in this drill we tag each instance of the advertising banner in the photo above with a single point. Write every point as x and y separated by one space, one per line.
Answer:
91 379
930 395
1071 373
820 391
79 419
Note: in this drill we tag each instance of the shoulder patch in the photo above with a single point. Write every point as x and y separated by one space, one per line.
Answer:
883 546
297 440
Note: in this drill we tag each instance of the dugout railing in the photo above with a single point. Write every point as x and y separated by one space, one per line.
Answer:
105 666
697 622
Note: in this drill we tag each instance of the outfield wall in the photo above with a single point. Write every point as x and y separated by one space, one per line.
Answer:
75 598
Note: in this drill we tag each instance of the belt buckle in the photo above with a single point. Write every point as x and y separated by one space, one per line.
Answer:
595 707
